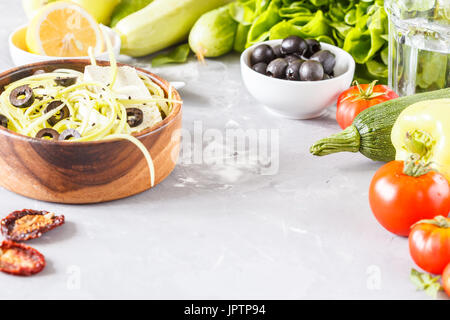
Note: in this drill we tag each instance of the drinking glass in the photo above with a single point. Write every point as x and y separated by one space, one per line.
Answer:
419 45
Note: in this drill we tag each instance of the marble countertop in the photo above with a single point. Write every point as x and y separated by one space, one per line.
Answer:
227 224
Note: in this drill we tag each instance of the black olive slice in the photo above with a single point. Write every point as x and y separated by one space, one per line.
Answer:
65 82
3 121
63 113
49 133
68 134
22 97
135 117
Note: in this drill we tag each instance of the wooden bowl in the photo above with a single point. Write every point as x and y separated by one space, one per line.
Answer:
85 172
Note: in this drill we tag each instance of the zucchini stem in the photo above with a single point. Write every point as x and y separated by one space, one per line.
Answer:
348 140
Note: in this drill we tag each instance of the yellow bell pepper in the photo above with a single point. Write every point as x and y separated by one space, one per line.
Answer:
423 128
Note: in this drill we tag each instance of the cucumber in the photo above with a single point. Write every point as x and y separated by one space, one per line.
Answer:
370 132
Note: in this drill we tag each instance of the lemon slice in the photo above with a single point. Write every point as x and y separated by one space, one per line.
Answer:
64 29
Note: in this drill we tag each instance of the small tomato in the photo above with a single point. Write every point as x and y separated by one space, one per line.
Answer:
402 194
446 279
358 98
429 244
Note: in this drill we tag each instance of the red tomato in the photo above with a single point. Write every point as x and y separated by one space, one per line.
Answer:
429 244
358 98
446 279
398 200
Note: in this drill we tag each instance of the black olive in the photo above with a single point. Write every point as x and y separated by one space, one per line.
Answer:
311 71
313 47
3 121
22 97
62 114
135 117
262 53
326 58
49 133
68 134
65 82
327 76
294 45
277 51
277 68
293 70
291 58
260 67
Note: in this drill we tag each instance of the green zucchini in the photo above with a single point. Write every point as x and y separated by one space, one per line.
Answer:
370 132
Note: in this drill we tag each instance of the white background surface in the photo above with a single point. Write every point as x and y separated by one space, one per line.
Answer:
223 231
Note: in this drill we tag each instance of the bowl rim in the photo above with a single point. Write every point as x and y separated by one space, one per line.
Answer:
105 31
350 69
164 84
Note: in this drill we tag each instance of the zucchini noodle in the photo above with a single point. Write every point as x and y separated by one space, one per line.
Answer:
94 109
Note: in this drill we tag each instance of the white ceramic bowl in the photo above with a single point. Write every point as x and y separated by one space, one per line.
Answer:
298 99
20 55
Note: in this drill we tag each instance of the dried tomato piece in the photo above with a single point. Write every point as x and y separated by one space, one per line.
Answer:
29 224
19 259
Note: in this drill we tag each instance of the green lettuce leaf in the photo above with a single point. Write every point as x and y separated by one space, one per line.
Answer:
260 30
317 26
438 62
364 42
243 12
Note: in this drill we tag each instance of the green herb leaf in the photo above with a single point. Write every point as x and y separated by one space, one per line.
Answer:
177 55
424 281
